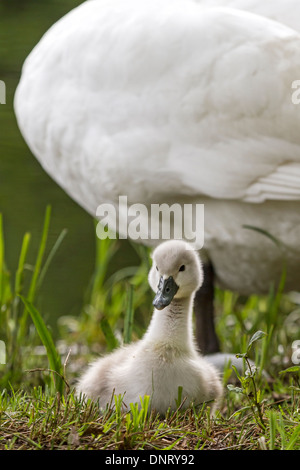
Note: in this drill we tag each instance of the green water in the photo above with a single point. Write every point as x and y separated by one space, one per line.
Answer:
25 189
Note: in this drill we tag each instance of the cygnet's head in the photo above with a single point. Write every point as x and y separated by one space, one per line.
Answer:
176 272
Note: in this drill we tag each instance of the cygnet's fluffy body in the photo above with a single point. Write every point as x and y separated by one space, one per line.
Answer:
165 358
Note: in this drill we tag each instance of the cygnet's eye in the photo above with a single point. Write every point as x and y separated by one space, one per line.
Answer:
156 268
182 268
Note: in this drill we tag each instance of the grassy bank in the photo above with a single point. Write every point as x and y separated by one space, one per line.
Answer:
38 409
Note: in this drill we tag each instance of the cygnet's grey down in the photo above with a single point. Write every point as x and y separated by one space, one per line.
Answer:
166 357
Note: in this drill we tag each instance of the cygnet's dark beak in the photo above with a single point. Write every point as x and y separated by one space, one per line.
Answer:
167 288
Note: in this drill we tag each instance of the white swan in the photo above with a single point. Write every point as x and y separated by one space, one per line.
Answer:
173 101
283 11
165 358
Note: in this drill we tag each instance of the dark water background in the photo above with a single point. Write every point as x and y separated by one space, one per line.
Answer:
25 189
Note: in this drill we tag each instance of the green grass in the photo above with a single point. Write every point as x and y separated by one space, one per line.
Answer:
38 409
43 420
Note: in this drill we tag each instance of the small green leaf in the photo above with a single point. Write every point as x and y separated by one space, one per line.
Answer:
290 369
242 355
258 335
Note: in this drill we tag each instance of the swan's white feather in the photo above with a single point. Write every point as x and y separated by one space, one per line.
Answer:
282 184
283 11
166 85
167 100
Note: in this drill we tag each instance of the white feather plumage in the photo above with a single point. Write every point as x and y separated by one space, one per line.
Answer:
177 101
166 357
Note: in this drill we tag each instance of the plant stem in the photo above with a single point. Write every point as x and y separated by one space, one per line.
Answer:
256 401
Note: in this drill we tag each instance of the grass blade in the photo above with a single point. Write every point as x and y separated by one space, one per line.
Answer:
111 340
46 338
1 258
294 439
51 256
5 289
275 240
105 249
38 264
22 258
273 427
36 272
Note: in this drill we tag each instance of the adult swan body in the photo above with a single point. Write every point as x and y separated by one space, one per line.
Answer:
171 101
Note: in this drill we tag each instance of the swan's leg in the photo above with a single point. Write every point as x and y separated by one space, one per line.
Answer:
206 337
